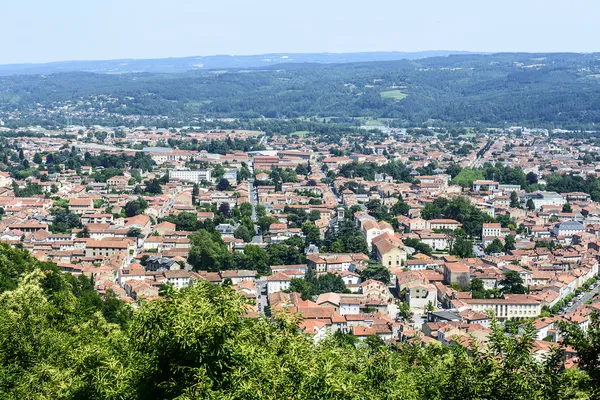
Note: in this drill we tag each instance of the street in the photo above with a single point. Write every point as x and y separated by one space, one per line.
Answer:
585 298
261 294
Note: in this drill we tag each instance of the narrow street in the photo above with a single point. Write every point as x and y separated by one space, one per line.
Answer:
585 298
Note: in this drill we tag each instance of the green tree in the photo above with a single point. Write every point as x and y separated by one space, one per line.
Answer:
531 178
84 232
509 243
530 205
418 246
405 311
400 208
330 283
246 210
257 259
477 289
134 232
567 208
185 221
153 186
587 345
135 207
243 233
265 222
311 233
514 200
462 248
223 184
512 283
376 272
494 247
208 251
299 285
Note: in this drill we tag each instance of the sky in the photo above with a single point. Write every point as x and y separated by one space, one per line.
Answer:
59 30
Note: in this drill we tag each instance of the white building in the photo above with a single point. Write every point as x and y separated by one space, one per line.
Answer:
493 230
278 282
510 306
419 296
179 278
568 228
482 184
542 199
350 278
437 241
349 306
5 179
189 175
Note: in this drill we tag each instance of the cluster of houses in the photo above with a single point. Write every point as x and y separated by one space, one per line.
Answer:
556 248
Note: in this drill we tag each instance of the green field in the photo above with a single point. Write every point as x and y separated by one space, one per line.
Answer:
393 94
300 133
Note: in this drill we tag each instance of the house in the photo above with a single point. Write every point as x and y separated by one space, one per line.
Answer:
437 241
508 306
81 206
141 222
371 229
278 282
483 184
568 228
541 198
131 272
106 248
184 198
28 226
491 229
179 278
96 218
420 295
164 227
417 224
456 272
350 278
315 328
350 305
462 333
342 303
444 224
225 229
155 263
117 181
239 276
389 250
5 179
416 265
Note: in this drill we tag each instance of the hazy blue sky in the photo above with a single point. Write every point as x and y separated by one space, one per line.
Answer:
53 30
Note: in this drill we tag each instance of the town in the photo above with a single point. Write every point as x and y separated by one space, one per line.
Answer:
418 234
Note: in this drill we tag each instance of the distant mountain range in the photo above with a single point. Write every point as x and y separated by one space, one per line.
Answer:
184 64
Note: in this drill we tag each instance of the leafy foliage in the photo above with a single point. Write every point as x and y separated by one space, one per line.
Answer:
460 209
312 286
377 272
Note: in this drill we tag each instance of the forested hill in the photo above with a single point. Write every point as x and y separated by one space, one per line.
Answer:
560 90
184 64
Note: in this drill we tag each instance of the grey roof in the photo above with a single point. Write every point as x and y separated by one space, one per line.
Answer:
570 225
447 315
160 260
